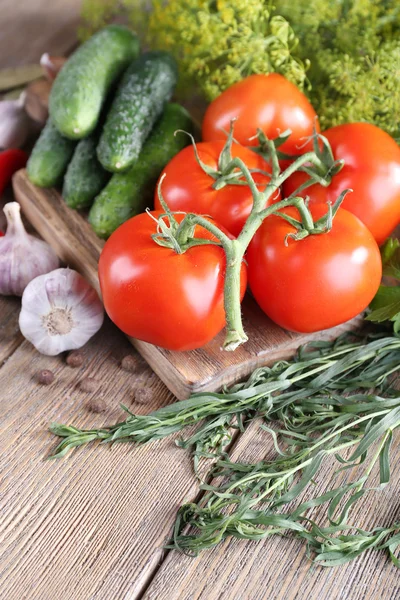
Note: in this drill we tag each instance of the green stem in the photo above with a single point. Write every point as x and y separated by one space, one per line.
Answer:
235 249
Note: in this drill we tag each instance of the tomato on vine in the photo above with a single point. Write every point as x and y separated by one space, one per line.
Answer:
172 297
196 183
310 284
267 102
371 169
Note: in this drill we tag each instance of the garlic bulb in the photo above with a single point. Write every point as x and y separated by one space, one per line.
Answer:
22 256
60 311
15 124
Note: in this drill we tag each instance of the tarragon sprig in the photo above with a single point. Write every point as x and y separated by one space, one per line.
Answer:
339 366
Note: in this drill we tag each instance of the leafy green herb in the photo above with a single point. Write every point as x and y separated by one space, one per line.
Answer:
339 366
354 50
216 43
386 304
254 501
307 401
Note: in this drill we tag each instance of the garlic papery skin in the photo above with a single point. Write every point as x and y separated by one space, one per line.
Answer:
15 124
60 311
22 256
51 65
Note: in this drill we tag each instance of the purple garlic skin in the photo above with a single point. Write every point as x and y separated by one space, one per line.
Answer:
15 124
22 256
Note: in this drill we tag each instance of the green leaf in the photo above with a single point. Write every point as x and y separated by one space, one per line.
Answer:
391 420
386 304
384 460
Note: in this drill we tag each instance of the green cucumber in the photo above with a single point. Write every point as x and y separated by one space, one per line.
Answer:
139 100
81 87
85 177
50 157
128 194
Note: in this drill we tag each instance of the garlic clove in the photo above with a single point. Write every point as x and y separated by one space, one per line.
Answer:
22 256
15 124
60 311
51 65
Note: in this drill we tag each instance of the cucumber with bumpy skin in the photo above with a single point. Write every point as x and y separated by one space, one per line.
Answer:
128 194
50 157
85 177
140 98
81 87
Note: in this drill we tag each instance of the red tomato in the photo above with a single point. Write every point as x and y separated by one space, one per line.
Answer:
372 171
188 188
318 282
156 295
269 102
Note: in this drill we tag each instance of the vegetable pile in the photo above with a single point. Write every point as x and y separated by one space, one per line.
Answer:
109 117
265 199
279 193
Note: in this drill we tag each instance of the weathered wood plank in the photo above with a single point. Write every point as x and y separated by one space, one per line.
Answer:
92 525
10 336
36 27
278 568
207 368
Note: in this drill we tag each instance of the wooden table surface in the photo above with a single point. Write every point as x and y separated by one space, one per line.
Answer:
92 526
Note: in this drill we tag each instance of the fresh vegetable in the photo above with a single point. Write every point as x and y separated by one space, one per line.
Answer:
215 43
386 304
353 48
60 311
10 161
130 193
85 177
82 85
235 169
318 282
22 256
190 183
169 296
15 125
220 43
50 157
267 102
145 88
371 169
354 51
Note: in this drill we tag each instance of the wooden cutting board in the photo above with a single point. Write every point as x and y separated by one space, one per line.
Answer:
208 368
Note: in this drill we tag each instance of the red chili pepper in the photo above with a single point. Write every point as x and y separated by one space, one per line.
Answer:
10 161
1 234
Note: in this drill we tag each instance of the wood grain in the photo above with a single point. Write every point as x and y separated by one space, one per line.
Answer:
207 368
93 525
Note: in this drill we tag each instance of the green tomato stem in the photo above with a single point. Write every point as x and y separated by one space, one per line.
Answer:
235 249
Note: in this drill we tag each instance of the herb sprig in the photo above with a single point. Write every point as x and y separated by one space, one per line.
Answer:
317 411
323 367
254 501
